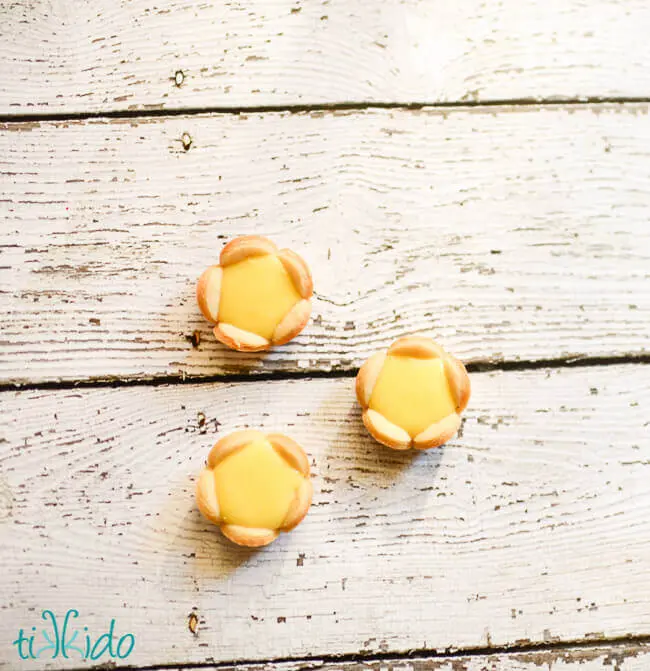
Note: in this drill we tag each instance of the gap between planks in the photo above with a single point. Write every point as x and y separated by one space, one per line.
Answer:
351 106
474 367
95 55
615 650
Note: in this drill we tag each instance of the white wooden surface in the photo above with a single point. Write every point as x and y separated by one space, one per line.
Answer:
100 55
509 233
533 527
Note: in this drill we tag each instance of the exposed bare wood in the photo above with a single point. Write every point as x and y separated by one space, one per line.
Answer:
621 657
531 528
99 55
512 234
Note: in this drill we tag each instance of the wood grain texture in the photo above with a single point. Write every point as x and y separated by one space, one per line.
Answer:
511 234
532 527
627 657
93 56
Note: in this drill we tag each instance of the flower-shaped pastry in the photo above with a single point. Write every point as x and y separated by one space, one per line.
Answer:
254 486
412 394
257 296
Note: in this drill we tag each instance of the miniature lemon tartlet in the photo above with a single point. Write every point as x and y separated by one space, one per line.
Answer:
412 394
257 296
254 486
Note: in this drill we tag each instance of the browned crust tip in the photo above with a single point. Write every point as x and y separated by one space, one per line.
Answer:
367 377
385 432
291 452
206 496
298 270
249 536
230 444
209 284
245 246
417 347
292 323
459 382
239 339
299 506
438 433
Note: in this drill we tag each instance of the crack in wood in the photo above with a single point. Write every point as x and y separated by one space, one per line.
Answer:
473 367
613 651
357 106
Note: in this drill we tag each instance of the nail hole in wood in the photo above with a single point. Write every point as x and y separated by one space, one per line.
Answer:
179 78
186 140
194 339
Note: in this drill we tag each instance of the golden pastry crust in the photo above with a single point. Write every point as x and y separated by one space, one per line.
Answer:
417 347
438 433
294 322
208 292
299 507
290 451
244 246
392 435
367 377
248 536
298 271
242 341
206 496
228 445
385 431
206 488
458 381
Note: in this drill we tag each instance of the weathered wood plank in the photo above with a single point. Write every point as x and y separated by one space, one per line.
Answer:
510 235
627 657
531 528
99 55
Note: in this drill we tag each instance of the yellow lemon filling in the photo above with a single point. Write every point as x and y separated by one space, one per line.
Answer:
256 294
255 486
412 393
